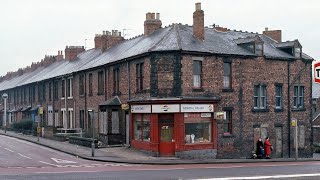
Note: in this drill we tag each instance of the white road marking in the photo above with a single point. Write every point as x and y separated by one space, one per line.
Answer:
265 177
62 172
62 161
8 149
24 156
49 164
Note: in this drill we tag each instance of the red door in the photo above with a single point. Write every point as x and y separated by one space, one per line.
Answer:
166 130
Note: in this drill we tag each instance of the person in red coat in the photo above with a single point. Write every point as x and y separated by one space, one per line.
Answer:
267 147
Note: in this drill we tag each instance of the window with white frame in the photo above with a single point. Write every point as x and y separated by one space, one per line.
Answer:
71 119
298 96
278 96
69 87
197 72
260 99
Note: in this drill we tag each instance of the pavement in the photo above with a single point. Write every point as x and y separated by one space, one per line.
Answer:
129 155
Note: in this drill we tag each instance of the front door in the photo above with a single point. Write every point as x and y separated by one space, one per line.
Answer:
166 130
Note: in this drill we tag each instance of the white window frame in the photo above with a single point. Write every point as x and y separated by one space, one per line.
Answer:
70 90
260 97
197 79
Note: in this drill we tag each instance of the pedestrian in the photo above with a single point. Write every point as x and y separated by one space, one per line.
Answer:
267 147
260 149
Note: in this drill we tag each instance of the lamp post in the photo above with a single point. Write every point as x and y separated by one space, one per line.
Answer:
5 97
92 125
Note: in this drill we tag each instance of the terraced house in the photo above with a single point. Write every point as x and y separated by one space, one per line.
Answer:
179 90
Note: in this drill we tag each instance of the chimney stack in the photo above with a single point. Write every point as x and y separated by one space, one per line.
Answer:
198 22
107 39
59 57
273 34
71 52
152 23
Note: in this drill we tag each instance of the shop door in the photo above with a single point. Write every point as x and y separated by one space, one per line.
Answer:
166 130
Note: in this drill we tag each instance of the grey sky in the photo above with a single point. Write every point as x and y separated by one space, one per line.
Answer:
31 29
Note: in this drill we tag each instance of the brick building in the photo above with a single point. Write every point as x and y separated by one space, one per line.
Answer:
180 90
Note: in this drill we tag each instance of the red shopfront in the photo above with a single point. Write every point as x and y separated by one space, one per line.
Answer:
174 129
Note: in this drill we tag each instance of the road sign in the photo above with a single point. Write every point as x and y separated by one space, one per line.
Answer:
4 96
294 122
40 110
316 72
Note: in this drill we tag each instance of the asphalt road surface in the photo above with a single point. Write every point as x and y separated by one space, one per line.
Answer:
24 160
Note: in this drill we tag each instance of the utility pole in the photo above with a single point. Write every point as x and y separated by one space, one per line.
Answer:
5 97
92 125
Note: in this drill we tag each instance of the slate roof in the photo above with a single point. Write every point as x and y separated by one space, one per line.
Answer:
174 37
115 101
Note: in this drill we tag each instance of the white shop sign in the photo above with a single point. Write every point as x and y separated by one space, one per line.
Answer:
196 107
141 109
165 108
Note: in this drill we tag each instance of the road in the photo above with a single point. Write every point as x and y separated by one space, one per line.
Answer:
24 160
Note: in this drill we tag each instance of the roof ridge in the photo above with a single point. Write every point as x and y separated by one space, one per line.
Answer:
163 38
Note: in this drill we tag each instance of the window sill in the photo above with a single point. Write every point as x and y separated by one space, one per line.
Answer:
82 95
299 109
227 90
195 144
70 97
100 94
197 89
278 110
227 135
260 110
62 98
116 93
90 94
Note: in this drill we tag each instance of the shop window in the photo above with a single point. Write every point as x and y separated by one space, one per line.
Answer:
142 127
197 128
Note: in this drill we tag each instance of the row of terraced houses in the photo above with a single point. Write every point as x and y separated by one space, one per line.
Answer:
179 90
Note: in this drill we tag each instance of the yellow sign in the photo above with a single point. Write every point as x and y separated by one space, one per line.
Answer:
294 122
40 110
125 106
38 129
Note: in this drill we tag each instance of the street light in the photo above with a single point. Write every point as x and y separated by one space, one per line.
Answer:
92 125
5 97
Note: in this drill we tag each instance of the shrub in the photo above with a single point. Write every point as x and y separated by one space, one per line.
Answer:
23 125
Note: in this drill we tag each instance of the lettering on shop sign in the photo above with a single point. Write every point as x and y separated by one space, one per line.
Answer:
165 108
317 72
141 109
196 107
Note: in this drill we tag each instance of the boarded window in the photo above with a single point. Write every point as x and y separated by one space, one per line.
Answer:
115 122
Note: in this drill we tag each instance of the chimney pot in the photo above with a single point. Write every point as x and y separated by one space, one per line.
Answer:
158 16
153 15
120 34
198 6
